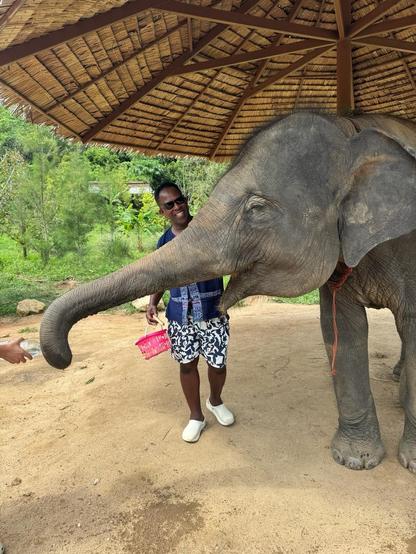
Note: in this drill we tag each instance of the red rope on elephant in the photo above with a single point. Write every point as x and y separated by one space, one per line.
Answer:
335 283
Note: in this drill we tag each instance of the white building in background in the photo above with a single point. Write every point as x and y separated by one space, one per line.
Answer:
135 187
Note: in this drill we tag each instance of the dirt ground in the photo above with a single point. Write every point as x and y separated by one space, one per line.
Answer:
92 459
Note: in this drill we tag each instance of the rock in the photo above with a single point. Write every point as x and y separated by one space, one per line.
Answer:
2 549
30 306
16 481
141 304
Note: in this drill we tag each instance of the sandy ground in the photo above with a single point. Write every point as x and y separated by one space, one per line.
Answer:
99 466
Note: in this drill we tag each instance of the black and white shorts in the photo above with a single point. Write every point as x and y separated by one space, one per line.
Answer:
208 338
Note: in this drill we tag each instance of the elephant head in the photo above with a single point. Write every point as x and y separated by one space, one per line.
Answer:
302 194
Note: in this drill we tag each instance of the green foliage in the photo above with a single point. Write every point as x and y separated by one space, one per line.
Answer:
308 298
76 204
195 177
149 218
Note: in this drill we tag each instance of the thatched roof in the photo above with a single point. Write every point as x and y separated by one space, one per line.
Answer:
195 76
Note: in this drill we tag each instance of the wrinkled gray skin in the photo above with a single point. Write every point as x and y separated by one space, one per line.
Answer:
305 193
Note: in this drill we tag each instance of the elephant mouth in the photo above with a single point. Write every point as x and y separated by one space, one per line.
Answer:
238 288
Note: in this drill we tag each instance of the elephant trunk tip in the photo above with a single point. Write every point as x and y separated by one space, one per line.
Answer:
58 358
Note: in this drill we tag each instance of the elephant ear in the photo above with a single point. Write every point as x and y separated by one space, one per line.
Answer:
380 204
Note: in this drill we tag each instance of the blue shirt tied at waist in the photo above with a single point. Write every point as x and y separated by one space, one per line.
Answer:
200 299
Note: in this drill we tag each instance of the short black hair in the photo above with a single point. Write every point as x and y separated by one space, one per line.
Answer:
165 185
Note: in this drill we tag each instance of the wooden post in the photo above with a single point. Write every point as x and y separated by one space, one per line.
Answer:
345 87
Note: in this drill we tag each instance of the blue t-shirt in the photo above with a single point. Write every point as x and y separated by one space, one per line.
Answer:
200 299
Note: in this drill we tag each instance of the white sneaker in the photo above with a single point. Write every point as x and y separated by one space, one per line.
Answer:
222 413
193 430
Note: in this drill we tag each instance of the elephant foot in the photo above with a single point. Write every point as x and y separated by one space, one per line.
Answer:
407 455
362 451
407 446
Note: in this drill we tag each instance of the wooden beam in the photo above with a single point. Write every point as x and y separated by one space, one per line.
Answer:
269 52
292 15
189 29
305 60
69 32
245 20
252 91
394 24
389 44
237 59
157 79
374 15
30 103
260 70
343 16
10 12
345 91
116 66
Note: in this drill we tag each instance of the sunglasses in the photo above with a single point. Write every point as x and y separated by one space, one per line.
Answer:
179 201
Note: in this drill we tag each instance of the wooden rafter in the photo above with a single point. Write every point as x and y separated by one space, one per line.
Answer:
29 102
116 66
189 29
294 11
394 24
303 73
69 32
388 43
269 52
345 86
157 79
10 12
304 60
343 16
259 72
370 18
237 59
237 18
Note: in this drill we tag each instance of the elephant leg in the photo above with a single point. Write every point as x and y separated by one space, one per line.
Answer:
407 447
357 443
397 369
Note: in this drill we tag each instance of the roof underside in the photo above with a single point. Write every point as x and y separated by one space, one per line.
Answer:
197 77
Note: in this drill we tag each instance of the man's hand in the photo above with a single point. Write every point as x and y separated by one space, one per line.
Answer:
12 352
151 314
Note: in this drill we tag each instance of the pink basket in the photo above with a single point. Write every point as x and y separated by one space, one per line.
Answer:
153 344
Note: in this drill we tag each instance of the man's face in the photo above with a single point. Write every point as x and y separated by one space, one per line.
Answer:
174 206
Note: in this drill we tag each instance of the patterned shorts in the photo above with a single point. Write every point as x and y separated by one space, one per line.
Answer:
208 338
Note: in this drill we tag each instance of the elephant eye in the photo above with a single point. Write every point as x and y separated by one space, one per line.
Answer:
256 205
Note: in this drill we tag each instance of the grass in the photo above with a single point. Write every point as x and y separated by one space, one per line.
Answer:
28 278
308 298
28 330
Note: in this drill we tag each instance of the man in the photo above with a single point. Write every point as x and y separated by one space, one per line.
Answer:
196 327
12 352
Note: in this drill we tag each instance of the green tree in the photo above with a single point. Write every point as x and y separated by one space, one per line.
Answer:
112 193
76 204
196 178
14 211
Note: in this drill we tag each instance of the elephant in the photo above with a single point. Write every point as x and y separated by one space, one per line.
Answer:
311 198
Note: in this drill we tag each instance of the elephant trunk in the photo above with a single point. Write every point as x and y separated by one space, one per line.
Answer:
184 260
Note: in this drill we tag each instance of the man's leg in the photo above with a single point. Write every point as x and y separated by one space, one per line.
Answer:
190 386
214 343
216 377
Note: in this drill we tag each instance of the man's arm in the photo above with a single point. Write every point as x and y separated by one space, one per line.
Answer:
12 352
151 312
